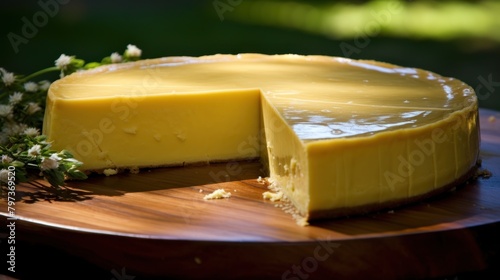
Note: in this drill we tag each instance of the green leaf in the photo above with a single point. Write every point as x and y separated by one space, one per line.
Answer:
91 65
17 164
106 60
77 63
54 177
65 154
77 174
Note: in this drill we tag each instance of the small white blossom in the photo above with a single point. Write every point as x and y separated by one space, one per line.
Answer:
15 98
51 162
31 131
116 58
71 160
13 128
30 87
32 108
6 159
34 151
4 175
63 61
133 51
8 78
4 135
5 110
44 85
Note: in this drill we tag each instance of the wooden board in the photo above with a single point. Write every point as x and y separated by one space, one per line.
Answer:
156 223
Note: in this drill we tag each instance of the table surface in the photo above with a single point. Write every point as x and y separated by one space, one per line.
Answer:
156 223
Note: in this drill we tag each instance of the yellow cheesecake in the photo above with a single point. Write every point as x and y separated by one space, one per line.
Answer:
338 136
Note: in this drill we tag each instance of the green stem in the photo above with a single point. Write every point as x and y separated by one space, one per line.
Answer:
43 71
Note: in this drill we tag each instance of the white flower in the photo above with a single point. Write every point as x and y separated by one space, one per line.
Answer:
15 98
63 61
4 175
12 128
133 51
5 110
32 108
6 159
35 150
44 85
51 162
4 136
72 160
30 87
8 78
31 131
116 58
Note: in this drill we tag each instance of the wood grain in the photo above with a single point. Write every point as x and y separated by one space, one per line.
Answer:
157 224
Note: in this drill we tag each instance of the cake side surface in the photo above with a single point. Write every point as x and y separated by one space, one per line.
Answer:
157 130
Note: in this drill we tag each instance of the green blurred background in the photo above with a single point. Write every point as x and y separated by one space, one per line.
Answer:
454 38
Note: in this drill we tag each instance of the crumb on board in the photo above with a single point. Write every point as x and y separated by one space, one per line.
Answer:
486 174
276 194
492 119
217 194
197 260
483 173
261 180
110 171
134 170
200 190
273 196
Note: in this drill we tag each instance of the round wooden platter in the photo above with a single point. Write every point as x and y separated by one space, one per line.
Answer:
156 224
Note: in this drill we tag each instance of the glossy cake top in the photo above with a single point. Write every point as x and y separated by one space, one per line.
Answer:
319 97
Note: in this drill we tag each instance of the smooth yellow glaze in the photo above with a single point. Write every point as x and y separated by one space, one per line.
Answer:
338 132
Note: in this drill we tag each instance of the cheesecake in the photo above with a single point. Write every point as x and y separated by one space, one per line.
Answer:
337 136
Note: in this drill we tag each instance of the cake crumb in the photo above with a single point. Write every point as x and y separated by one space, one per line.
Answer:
492 119
483 173
134 170
200 190
390 212
286 205
110 171
260 180
197 260
217 194
301 221
273 196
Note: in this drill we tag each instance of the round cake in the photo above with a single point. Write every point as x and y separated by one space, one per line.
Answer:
337 136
